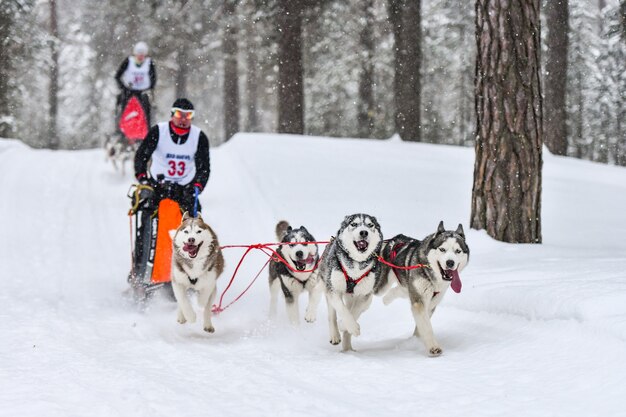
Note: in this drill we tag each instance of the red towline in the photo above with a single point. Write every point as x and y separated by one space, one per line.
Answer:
267 249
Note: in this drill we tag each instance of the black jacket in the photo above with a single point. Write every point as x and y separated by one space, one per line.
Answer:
122 68
149 144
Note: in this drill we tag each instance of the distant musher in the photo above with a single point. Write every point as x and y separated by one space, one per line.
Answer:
136 76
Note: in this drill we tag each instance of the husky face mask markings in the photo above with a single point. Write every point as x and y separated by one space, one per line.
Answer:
358 235
302 258
446 254
197 262
350 271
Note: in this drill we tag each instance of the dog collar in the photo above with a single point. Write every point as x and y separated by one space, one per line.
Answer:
351 283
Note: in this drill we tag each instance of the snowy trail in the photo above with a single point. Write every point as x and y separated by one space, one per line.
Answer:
539 330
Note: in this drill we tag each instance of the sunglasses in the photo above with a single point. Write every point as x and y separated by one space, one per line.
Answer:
182 114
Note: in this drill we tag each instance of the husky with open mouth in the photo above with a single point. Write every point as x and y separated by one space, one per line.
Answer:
297 274
350 271
442 256
197 263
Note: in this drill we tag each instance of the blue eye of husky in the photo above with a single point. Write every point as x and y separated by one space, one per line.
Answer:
442 250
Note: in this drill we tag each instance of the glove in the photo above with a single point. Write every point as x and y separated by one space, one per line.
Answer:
143 179
190 189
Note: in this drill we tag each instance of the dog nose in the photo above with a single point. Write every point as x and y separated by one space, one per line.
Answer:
363 233
191 240
299 254
450 263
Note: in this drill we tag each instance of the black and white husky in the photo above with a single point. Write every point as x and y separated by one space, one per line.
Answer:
197 263
297 275
350 271
443 255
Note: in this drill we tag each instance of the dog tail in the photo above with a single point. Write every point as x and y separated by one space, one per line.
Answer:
281 230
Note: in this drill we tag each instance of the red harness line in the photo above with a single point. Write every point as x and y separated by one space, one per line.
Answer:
271 253
392 257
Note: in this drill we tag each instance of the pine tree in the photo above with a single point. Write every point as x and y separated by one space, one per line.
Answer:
506 197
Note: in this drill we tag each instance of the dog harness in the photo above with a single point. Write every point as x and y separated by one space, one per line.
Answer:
351 283
393 255
392 259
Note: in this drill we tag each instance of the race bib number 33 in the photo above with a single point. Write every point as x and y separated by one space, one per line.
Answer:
176 168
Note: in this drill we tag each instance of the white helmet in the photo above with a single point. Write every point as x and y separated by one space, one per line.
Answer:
141 48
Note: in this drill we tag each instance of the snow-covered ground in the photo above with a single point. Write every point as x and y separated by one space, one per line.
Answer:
538 330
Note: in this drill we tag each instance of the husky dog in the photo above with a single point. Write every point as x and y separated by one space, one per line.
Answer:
197 262
118 152
443 255
298 275
350 270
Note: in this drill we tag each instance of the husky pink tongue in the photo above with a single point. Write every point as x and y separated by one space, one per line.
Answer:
456 281
310 259
192 249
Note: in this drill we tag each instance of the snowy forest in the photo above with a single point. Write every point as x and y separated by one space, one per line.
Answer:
58 60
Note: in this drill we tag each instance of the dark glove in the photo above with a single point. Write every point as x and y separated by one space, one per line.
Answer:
190 189
143 179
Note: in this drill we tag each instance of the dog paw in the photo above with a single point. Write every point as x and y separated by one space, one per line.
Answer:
209 329
310 318
180 317
335 340
435 351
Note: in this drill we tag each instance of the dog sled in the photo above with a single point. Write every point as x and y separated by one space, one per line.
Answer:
153 214
131 127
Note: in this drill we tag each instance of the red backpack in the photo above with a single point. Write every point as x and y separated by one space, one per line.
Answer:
133 122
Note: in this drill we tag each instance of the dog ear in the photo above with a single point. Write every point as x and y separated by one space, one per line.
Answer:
186 216
375 221
199 217
459 230
440 228
289 229
172 233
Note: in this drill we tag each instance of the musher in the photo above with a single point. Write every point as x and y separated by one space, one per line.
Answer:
136 75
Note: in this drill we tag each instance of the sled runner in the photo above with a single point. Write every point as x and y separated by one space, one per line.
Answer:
152 255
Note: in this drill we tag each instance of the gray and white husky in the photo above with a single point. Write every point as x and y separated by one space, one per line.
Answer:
197 263
298 275
350 271
444 254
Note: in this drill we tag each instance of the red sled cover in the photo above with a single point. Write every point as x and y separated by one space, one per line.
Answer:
133 122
